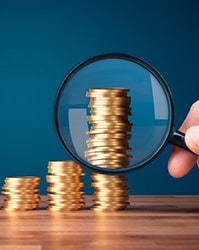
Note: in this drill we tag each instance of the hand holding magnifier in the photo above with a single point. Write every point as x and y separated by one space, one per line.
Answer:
152 108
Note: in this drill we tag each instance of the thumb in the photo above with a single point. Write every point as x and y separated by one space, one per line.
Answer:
192 139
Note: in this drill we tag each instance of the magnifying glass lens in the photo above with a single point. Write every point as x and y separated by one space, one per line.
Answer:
146 105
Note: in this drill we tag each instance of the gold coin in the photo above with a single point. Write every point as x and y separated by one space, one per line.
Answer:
93 160
106 162
110 156
106 124
106 155
114 99
109 109
58 178
65 202
62 190
111 92
65 169
103 178
66 205
64 178
65 196
105 192
12 179
74 202
58 171
19 205
95 111
107 143
96 151
55 208
111 197
104 105
20 188
110 136
54 190
105 187
111 183
115 206
110 128
106 209
107 130
111 201
64 164
22 199
117 149
105 184
105 112
98 161
107 118
97 104
109 166
19 208
22 196
67 185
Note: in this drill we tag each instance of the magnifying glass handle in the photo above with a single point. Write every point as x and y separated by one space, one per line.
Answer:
178 139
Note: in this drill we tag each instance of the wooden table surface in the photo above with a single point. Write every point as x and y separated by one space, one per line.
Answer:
151 222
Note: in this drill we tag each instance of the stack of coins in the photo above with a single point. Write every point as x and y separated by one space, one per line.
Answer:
65 190
21 193
110 192
108 145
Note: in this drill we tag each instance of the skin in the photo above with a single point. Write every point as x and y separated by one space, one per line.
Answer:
182 161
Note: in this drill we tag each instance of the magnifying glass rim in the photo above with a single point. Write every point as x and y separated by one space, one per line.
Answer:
150 69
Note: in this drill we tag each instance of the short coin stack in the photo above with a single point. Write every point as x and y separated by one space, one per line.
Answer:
108 144
65 190
110 192
21 193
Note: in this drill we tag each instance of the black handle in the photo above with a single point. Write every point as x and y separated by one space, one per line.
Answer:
177 139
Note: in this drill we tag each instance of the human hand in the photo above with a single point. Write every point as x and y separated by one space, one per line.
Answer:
182 161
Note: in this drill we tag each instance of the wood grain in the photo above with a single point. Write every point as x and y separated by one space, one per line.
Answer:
152 222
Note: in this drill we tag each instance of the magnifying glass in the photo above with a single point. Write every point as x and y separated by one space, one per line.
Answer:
151 104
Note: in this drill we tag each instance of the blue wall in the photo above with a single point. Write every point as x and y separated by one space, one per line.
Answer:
41 41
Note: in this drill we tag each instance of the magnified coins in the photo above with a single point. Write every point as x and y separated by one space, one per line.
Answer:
109 133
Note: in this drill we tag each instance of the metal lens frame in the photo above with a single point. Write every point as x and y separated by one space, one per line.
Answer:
164 87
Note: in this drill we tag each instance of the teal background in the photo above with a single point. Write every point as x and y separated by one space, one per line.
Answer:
41 41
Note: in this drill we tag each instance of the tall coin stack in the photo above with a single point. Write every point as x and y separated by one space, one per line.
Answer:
108 145
21 193
65 190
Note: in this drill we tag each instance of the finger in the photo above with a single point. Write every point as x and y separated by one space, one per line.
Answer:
192 139
181 161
